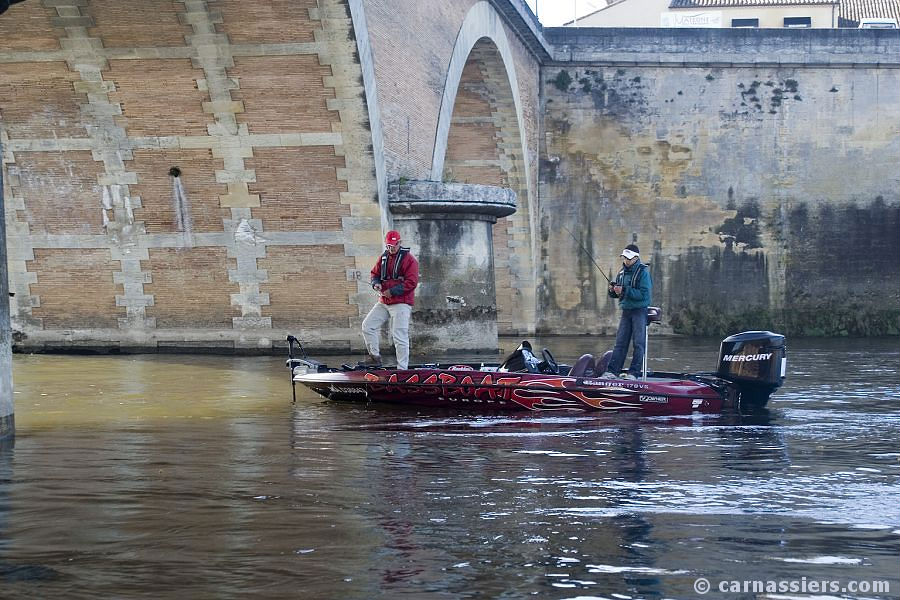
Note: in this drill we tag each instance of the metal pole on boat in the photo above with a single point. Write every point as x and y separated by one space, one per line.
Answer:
653 316
646 348
290 340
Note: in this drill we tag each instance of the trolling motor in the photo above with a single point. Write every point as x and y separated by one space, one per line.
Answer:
302 365
291 340
756 362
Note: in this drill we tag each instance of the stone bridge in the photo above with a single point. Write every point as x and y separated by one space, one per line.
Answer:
218 173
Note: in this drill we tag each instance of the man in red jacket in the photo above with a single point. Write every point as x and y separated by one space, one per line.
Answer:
394 277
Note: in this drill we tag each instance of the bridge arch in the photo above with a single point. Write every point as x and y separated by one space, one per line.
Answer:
481 139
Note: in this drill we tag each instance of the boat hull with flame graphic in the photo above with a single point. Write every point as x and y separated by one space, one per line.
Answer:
751 367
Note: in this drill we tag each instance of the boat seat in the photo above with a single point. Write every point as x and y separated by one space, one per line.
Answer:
603 364
583 367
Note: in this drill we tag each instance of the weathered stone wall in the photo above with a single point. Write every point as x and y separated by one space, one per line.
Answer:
451 224
7 408
260 106
756 169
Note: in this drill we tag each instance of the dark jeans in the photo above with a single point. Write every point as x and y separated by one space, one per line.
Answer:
632 326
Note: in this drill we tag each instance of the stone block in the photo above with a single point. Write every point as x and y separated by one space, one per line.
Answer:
249 323
225 106
321 139
246 175
231 151
72 21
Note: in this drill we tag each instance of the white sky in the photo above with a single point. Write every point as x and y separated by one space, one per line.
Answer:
553 13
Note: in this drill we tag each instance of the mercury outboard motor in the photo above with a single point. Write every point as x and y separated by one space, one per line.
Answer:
755 362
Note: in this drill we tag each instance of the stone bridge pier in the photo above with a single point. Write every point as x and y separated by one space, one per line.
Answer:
6 390
448 227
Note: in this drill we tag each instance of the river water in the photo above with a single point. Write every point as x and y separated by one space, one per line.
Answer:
165 476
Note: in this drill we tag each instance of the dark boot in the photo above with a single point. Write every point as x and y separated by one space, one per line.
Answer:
373 361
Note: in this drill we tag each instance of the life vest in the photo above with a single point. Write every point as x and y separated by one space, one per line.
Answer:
395 272
634 277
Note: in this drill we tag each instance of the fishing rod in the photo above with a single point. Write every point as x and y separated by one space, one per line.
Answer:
588 253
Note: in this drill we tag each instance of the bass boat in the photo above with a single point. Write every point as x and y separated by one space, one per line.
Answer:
751 367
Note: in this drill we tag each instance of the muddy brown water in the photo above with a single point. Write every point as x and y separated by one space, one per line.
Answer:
162 476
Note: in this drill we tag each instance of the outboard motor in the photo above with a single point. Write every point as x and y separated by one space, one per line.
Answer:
756 362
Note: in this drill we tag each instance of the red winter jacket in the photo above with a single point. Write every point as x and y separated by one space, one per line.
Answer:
400 280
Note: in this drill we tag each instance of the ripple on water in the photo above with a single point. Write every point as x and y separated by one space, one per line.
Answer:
821 560
178 461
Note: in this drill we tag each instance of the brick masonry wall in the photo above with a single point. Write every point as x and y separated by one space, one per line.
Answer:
191 288
62 190
411 71
259 105
40 101
302 282
149 110
282 172
75 291
199 181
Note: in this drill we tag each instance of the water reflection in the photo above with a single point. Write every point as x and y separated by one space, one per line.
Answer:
196 477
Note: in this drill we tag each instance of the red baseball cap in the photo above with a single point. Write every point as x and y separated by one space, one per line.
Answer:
392 238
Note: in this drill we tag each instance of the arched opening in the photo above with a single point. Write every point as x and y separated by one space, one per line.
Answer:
484 146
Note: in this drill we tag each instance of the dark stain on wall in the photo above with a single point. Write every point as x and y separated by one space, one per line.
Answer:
713 291
743 228
612 93
755 93
463 315
617 94
548 169
842 270
424 321
562 81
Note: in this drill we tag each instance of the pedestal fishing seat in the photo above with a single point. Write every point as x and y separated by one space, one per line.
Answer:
654 315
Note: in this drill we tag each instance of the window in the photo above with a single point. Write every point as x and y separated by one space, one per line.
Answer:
797 22
745 22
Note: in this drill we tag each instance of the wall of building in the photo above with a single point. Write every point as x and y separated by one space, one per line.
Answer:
821 17
411 72
756 172
627 13
647 13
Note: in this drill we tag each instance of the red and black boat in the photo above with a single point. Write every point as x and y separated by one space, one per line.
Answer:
751 366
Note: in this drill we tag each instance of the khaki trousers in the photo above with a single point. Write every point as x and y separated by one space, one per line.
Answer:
399 317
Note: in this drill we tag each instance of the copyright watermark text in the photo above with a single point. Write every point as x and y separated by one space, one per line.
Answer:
803 585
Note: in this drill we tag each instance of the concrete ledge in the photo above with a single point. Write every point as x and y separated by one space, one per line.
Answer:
725 47
451 200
